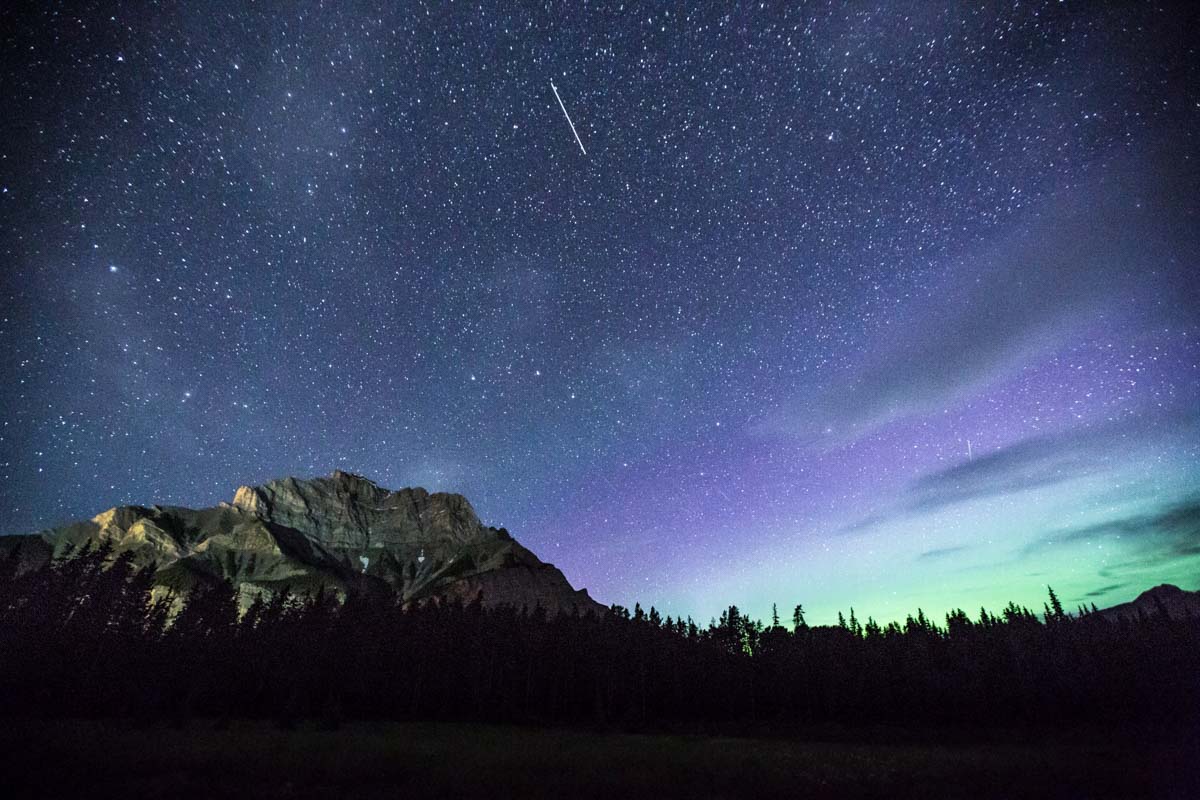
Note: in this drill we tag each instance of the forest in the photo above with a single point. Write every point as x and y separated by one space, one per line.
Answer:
84 637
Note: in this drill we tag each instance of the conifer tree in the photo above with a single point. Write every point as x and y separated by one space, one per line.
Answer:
798 622
1055 606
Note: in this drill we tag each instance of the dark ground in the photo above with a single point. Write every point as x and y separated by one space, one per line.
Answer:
260 760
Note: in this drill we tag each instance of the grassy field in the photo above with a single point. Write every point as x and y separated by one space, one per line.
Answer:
394 760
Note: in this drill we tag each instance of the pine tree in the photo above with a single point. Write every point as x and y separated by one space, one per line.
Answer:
798 622
1055 606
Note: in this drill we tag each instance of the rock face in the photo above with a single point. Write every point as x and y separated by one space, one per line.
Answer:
1165 597
342 533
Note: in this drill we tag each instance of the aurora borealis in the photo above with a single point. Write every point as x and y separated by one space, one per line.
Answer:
733 353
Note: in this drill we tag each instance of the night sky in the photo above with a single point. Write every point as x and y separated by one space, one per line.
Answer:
732 354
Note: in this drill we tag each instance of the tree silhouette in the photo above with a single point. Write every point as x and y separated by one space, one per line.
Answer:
91 634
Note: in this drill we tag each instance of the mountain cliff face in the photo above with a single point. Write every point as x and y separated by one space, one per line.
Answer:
341 532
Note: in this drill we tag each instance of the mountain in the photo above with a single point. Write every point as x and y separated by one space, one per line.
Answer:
1177 602
341 532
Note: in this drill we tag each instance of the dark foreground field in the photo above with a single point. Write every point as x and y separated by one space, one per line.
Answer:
259 760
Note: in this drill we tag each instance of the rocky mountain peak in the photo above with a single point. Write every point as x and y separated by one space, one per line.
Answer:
341 532
1163 590
349 512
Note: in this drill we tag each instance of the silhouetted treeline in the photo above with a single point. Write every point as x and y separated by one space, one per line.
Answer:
82 637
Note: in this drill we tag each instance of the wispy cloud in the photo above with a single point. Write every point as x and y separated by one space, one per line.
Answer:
1164 532
1031 463
1152 530
1040 461
1125 244
942 552
1104 590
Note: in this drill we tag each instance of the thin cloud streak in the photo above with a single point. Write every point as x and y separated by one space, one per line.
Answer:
1082 255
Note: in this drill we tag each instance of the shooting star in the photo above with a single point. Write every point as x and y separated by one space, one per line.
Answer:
568 116
970 455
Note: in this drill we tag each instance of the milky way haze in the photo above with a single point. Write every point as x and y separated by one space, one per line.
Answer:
733 353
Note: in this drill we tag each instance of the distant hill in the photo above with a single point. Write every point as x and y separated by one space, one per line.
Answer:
340 532
1176 601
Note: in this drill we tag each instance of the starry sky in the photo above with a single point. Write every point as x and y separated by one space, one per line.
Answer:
883 306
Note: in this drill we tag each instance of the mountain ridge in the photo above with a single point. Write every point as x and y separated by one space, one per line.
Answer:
345 532
1165 597
342 532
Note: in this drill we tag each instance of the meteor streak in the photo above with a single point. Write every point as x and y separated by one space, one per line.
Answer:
568 116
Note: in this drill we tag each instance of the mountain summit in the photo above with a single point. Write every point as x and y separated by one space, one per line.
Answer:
339 532
1162 599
